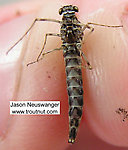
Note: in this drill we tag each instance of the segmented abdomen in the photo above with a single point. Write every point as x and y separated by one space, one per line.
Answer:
74 87
71 35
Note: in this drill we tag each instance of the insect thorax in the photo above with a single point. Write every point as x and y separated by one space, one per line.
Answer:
71 33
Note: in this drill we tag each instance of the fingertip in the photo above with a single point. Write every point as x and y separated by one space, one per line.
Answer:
107 81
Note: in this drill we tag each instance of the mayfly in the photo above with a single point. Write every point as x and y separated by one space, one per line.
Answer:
71 34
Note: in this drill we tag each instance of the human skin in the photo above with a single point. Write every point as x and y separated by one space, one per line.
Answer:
105 86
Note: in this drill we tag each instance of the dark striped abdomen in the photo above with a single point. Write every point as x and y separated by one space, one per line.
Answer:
74 88
71 36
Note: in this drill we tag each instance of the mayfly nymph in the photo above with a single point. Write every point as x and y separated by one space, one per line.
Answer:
71 34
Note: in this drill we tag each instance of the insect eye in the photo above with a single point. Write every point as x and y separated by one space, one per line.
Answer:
75 8
60 11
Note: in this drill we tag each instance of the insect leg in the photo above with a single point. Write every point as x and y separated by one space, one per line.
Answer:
45 40
104 25
36 20
91 30
44 54
97 24
85 58
89 27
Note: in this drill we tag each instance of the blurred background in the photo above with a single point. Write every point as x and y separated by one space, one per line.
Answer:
3 2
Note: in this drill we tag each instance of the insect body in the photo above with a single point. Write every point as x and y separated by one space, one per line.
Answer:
71 33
